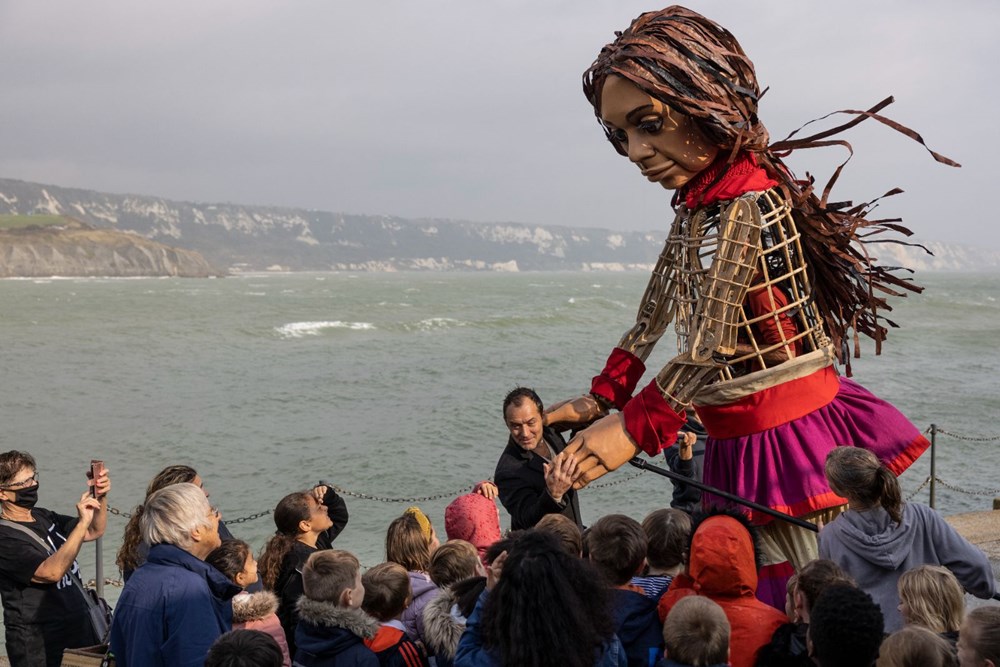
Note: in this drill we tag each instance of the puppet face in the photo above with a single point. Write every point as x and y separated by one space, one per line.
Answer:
667 146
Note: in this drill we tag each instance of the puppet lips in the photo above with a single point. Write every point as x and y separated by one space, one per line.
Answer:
657 173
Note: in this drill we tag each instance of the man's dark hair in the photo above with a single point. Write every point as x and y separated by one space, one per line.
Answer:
845 627
517 396
244 648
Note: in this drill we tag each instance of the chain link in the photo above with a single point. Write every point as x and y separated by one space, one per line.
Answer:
603 485
920 488
988 492
387 499
969 438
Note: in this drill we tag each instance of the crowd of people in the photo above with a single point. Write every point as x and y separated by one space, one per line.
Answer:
678 588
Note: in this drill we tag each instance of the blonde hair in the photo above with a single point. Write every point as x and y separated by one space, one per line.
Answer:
915 646
696 632
858 475
934 598
328 573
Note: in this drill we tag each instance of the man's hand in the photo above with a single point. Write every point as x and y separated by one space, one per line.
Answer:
86 508
685 445
559 475
600 448
573 412
487 489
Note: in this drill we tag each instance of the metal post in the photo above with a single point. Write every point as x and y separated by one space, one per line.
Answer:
99 567
933 462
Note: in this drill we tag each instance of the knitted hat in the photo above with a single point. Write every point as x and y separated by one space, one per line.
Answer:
473 518
425 523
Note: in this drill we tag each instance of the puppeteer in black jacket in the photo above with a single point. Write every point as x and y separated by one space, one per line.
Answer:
520 479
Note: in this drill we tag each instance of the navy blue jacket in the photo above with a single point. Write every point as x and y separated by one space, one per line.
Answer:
332 636
171 611
638 626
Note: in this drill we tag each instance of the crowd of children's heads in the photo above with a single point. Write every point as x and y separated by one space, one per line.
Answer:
557 594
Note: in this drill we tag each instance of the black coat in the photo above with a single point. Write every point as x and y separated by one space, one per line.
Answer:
521 480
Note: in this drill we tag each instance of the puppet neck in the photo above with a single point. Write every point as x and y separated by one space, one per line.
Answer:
721 182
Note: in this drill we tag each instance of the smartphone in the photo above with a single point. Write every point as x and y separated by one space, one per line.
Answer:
95 468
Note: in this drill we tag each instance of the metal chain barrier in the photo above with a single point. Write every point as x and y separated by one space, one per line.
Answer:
602 485
952 487
920 488
969 438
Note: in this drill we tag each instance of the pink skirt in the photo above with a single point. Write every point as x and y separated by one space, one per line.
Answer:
782 467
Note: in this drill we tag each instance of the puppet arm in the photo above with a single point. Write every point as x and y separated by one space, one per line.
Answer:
650 420
613 386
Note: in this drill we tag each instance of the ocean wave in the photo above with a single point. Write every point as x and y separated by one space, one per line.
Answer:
434 324
596 299
300 329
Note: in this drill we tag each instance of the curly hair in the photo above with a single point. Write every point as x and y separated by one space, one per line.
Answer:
549 608
845 627
128 558
699 69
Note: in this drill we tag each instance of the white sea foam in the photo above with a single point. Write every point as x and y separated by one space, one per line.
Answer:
300 329
435 323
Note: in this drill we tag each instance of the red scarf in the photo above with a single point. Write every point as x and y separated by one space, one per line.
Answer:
742 176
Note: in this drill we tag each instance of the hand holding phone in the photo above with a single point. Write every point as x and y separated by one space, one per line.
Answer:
96 468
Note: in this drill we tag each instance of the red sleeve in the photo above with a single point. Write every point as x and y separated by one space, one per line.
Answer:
650 421
617 381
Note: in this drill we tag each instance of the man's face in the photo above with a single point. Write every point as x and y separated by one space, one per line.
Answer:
524 422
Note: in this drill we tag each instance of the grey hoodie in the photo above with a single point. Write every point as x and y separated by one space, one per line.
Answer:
875 552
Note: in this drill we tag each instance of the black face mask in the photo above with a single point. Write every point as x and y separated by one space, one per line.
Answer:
26 498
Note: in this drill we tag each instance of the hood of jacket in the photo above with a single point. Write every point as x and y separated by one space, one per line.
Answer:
421 584
722 562
442 628
325 628
637 623
473 518
172 556
874 537
249 607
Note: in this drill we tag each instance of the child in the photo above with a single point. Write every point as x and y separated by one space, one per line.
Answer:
845 628
245 648
617 547
251 611
411 541
387 595
332 627
788 645
979 640
566 530
930 596
696 634
916 645
474 518
722 566
454 563
667 533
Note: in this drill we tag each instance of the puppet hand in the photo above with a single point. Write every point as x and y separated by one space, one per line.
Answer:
573 412
600 448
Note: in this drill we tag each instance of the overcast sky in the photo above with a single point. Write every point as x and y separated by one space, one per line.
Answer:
472 110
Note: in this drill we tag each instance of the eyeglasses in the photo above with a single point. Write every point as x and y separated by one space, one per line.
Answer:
23 484
214 511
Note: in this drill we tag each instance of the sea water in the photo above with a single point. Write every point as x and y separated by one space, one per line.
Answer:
390 385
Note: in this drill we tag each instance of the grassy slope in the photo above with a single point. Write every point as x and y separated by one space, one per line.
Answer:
20 221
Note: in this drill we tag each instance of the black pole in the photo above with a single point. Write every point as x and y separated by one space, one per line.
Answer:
646 465
933 466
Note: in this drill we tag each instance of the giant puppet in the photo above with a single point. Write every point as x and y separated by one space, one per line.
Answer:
763 279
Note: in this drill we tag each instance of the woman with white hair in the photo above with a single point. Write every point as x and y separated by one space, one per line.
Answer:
175 605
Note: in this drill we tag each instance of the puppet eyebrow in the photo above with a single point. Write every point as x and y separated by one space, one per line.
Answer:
634 115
